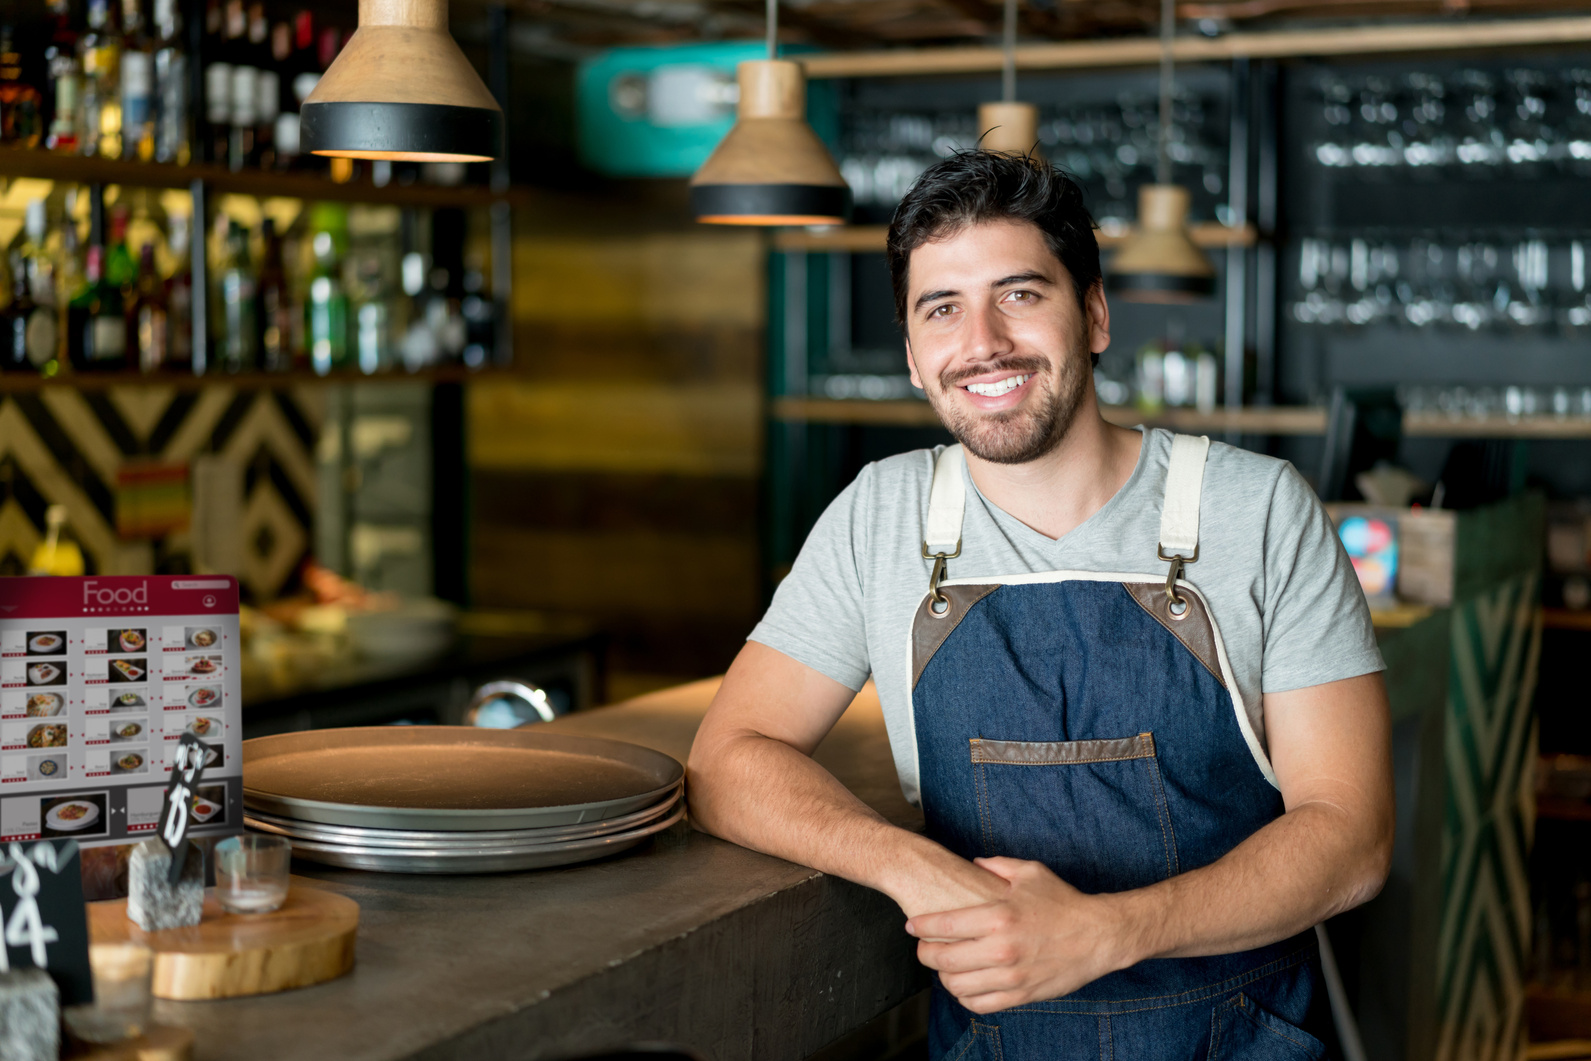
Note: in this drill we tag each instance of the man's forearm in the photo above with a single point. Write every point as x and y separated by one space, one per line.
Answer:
1313 862
761 793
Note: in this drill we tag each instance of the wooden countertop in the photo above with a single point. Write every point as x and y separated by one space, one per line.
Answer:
688 939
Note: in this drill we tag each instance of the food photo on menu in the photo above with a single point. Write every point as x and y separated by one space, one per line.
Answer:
129 763
205 728
132 729
201 637
204 696
201 666
127 670
209 805
126 640
47 673
45 705
47 735
46 642
82 814
46 767
126 699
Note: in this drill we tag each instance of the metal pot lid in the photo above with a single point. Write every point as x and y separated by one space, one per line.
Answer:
462 859
451 778
411 838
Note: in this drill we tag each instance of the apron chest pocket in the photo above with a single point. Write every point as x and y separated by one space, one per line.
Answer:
1094 811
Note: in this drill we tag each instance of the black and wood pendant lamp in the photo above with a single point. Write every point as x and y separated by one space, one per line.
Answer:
402 90
1158 261
1008 126
771 168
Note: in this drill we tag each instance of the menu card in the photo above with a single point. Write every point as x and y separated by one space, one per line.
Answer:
99 679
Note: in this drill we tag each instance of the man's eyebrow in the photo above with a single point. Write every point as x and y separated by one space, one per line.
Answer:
1023 278
933 296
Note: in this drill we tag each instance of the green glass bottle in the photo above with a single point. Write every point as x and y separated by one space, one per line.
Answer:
326 309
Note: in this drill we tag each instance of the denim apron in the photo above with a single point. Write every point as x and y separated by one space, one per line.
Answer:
1091 721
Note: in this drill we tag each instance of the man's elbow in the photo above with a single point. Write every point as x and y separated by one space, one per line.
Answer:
1374 863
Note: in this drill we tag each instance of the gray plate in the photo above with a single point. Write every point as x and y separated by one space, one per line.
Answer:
466 858
451 778
337 834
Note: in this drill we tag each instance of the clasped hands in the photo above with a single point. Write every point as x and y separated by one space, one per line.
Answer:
1041 939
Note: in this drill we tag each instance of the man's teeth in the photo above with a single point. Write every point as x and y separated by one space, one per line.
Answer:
1004 386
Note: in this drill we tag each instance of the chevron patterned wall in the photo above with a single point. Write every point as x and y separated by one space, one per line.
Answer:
62 445
1490 752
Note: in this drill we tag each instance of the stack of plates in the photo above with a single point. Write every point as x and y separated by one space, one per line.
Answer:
442 799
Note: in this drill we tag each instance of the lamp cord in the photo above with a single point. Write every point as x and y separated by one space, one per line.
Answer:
1008 66
1168 26
773 29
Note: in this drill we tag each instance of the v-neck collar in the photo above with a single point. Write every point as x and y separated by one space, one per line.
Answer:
1025 535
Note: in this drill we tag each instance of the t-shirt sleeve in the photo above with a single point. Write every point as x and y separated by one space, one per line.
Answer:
817 617
1317 624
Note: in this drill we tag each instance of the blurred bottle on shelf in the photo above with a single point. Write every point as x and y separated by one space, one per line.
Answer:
148 316
21 104
219 41
59 553
372 319
121 269
238 344
65 80
480 320
14 320
268 93
96 329
173 131
99 51
299 74
276 305
179 296
137 84
326 309
43 332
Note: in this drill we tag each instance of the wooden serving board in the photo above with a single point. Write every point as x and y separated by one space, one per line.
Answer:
159 1043
309 940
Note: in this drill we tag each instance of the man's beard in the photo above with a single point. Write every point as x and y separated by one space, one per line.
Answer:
1018 435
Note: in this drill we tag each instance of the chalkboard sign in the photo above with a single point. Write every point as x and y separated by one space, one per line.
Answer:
42 918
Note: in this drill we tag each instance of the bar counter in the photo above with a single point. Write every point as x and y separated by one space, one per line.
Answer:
687 939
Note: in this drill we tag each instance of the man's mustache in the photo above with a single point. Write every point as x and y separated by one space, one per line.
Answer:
1015 363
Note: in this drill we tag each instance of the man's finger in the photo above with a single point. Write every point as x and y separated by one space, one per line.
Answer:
993 1002
981 982
966 923
966 955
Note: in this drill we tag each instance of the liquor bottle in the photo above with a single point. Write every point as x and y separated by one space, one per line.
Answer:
240 134
21 105
14 320
220 47
148 327
326 309
372 320
97 333
268 105
276 305
100 53
41 337
121 270
173 135
138 84
69 277
238 345
179 298
66 82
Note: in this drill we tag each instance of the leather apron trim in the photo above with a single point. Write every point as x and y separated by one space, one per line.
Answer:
1193 629
1062 753
930 630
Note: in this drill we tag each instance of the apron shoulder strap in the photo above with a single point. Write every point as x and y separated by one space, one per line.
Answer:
1179 512
947 502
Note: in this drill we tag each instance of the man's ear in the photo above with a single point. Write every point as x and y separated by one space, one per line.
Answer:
1097 310
911 363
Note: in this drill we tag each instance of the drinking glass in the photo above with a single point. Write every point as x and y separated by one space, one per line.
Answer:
123 977
251 873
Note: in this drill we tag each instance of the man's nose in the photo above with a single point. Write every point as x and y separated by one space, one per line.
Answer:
987 333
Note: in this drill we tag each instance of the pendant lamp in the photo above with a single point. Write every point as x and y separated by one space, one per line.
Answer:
402 90
771 169
1158 261
1008 126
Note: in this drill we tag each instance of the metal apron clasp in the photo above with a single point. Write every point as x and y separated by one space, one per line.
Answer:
1176 604
936 599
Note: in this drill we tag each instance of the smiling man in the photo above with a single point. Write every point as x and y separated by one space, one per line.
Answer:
1129 676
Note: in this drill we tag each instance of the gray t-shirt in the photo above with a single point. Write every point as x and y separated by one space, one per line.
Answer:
1279 586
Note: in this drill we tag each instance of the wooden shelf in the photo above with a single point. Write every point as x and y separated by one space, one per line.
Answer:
1438 425
49 165
1565 619
28 382
869 239
1378 39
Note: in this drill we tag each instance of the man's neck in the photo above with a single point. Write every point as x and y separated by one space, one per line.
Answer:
1059 491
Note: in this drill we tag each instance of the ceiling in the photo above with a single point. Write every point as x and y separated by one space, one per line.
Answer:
571 27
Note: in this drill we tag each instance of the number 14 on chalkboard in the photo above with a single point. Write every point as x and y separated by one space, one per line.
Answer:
42 918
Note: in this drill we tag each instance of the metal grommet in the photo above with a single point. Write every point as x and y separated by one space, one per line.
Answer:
1178 607
938 606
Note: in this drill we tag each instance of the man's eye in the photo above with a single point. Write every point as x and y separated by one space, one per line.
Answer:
1021 296
941 311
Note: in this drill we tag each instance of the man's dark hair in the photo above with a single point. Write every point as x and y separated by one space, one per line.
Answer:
975 186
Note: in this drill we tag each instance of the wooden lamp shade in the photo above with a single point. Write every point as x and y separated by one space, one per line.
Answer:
1158 262
771 169
1012 128
401 89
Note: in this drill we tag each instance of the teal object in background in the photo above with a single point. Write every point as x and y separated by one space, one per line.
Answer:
659 112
